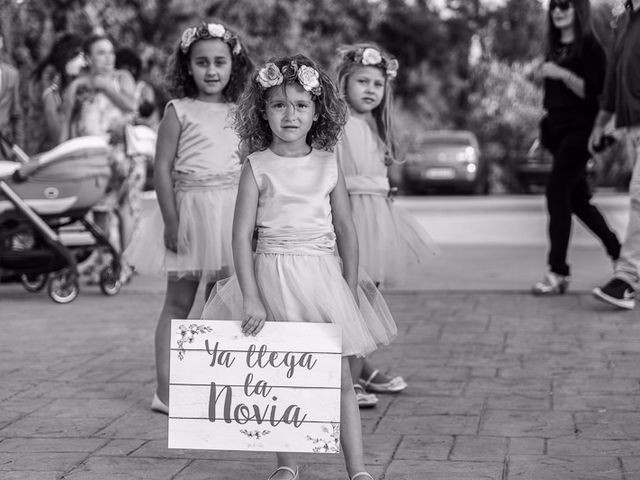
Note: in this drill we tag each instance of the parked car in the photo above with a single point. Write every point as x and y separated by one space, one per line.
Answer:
446 159
534 167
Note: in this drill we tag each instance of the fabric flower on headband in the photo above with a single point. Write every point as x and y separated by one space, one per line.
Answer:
270 76
308 77
372 57
209 30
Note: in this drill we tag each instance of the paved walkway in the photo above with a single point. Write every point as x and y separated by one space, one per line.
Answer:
503 386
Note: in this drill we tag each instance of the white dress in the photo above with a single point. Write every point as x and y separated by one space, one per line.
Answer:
392 243
297 270
205 176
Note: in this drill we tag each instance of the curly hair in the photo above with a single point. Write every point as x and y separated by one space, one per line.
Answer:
249 117
350 59
181 84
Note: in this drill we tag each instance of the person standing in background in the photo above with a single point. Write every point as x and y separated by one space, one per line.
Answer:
47 84
573 74
11 118
622 98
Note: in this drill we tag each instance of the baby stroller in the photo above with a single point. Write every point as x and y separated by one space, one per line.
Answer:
39 198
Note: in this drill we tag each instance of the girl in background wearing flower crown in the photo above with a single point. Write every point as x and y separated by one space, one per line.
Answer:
292 191
196 173
392 244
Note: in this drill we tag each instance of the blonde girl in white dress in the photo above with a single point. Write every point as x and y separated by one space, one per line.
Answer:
393 246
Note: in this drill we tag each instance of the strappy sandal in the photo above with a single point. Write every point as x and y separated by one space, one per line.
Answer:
361 475
395 385
364 399
293 472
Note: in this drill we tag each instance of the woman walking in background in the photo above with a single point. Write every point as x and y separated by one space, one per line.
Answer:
573 79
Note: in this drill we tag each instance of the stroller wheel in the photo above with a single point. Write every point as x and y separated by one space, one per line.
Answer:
110 283
33 283
63 289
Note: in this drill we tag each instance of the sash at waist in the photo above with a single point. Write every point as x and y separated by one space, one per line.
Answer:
366 185
188 182
298 242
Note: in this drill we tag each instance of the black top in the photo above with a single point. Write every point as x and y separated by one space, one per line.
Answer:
565 107
622 89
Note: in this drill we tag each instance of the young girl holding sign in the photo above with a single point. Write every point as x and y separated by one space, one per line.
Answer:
197 167
393 246
292 191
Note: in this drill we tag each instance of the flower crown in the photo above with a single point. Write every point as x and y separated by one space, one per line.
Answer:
308 77
209 30
372 57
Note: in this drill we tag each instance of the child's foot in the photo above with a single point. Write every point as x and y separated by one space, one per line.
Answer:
158 405
364 399
380 383
284 473
362 476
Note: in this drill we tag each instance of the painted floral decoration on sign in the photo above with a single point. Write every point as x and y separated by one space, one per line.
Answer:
187 334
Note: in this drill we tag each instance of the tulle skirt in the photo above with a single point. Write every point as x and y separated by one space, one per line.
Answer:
393 245
204 238
310 288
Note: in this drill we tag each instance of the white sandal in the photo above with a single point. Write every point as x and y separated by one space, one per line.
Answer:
293 472
395 385
364 399
362 474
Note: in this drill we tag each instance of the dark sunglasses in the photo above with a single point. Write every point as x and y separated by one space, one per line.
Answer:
563 5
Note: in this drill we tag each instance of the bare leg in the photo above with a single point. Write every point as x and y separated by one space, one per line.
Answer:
127 226
356 364
208 289
285 460
350 427
178 301
367 371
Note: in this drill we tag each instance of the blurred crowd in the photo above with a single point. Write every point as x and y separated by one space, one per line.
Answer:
86 86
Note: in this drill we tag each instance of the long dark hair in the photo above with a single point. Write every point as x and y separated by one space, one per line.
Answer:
64 49
582 28
180 84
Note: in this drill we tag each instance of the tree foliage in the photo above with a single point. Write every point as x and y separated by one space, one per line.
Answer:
443 81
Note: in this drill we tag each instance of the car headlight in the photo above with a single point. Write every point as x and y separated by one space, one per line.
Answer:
468 155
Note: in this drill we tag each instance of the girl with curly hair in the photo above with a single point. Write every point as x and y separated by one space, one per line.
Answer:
393 246
293 193
197 167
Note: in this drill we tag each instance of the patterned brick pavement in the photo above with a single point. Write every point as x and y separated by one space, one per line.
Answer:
503 386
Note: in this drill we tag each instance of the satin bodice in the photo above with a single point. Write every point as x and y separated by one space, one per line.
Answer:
294 209
207 154
361 157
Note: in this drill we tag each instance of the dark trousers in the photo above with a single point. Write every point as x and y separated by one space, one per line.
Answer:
568 193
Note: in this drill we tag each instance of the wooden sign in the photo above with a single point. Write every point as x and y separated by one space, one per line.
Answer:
276 391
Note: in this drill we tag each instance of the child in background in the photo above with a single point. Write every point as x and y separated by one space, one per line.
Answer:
292 190
393 246
197 167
